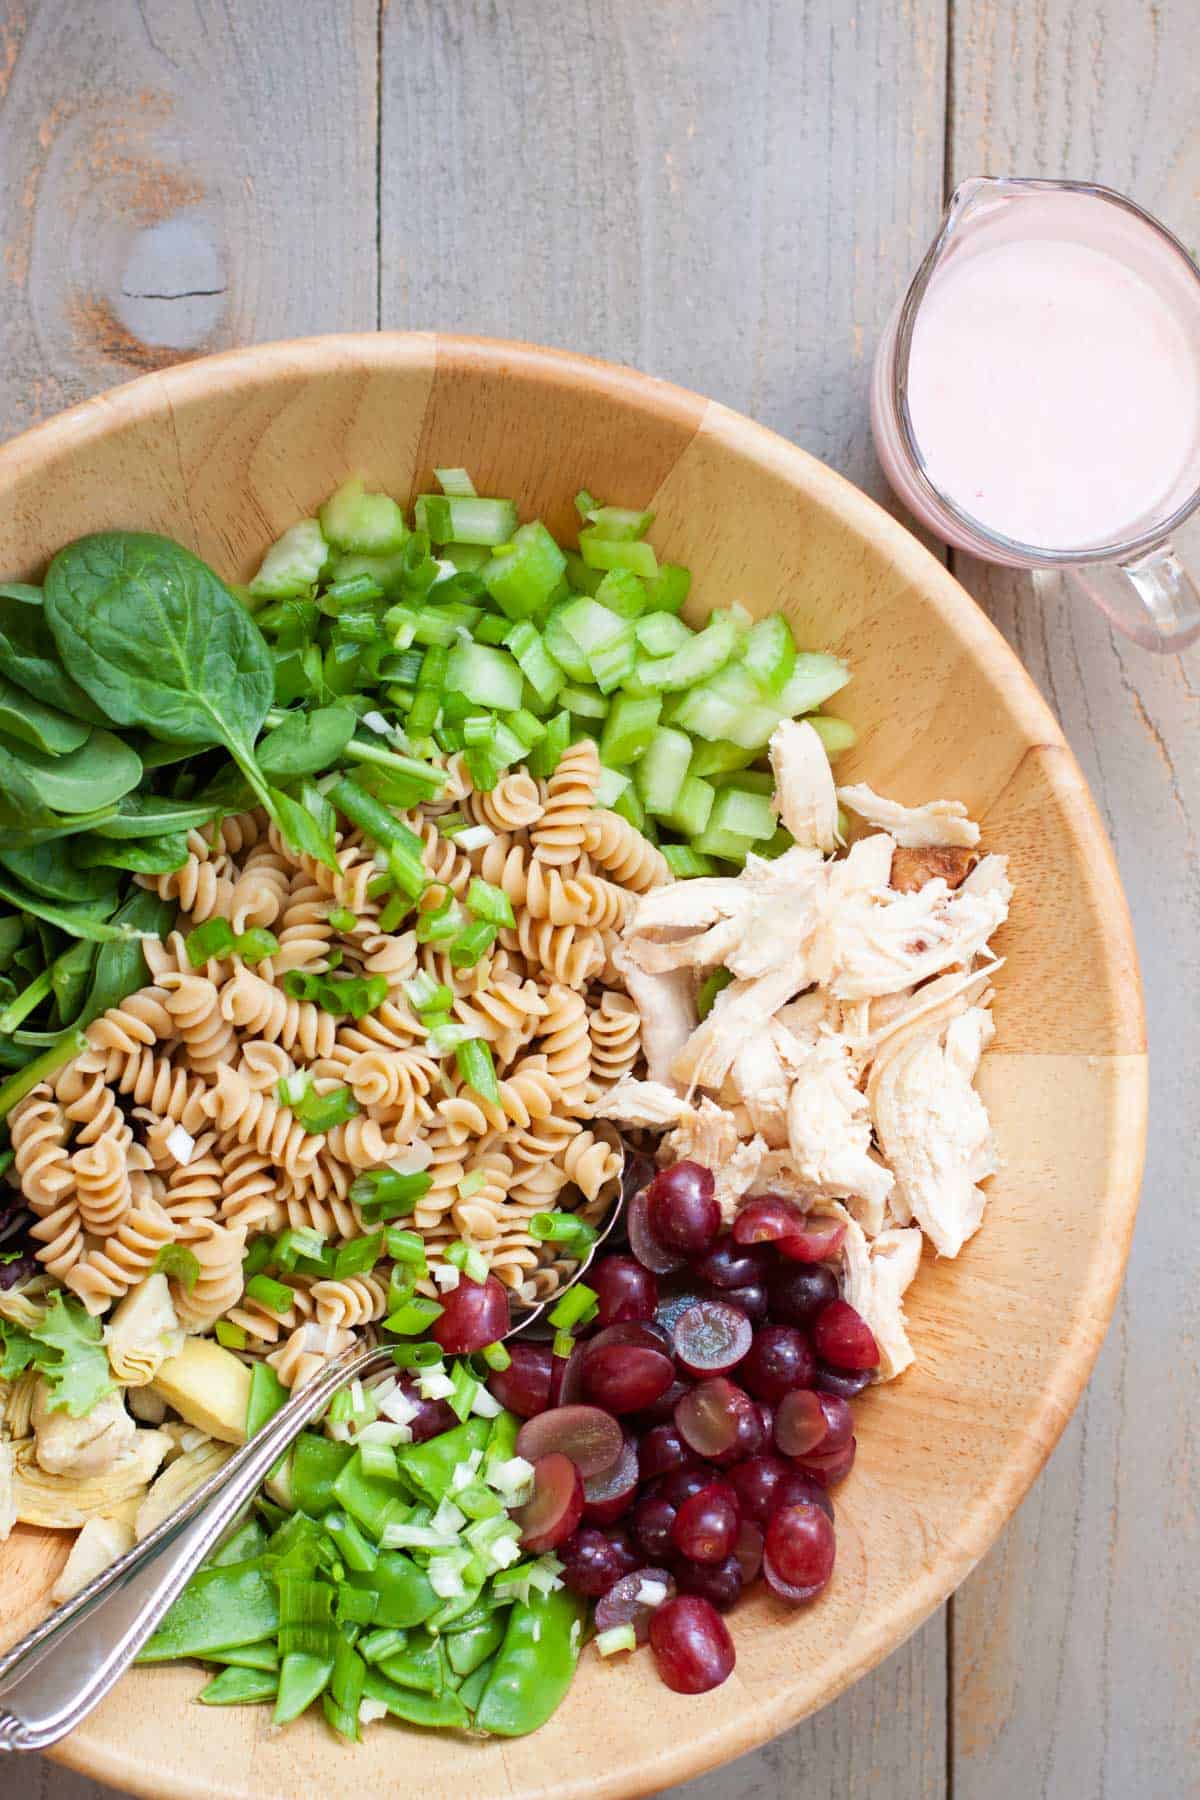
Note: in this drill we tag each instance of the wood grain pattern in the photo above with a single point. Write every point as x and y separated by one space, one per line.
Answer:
1074 1667
1006 1338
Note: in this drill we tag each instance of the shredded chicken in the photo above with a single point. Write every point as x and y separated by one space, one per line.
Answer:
912 827
641 1103
829 1131
875 1278
911 869
805 795
82 1447
667 1007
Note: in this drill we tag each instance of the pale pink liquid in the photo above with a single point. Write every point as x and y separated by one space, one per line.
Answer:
1054 391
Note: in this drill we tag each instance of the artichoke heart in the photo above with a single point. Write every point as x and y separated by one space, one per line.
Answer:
64 1502
179 1479
142 1332
18 1407
100 1543
8 1498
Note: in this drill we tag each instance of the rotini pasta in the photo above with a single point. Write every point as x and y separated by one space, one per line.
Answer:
571 791
218 1249
620 848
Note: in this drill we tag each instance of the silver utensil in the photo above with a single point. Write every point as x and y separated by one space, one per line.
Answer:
65 1666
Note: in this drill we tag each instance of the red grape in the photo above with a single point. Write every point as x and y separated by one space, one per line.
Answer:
681 1484
622 1547
651 1523
821 1238
432 1416
839 1423
591 1438
755 1482
663 1410
778 1360
645 1246
751 1300
711 1338
473 1314
719 1583
592 1562
768 1219
607 1495
796 1487
729 1264
555 1507
624 1289
798 1290
681 1209
661 1450
799 1422
846 1383
621 1604
705 1527
625 1377
842 1337
566 1377
648 1334
709 1416
691 1644
524 1387
830 1466
799 1551
749 1549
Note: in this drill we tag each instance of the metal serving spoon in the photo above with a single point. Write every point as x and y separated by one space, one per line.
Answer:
63 1668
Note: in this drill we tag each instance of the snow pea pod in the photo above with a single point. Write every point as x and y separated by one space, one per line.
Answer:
430 1466
219 1609
534 1665
465 1650
239 1687
415 1708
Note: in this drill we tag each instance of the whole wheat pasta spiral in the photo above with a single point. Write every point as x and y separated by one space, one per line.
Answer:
103 1275
393 957
541 1141
326 1212
262 1325
260 891
620 848
515 803
445 1140
193 1003
571 791
195 1190
229 836
102 1191
443 863
254 1006
357 1301
88 1102
152 1082
615 1029
198 889
457 786
397 1080
589 1161
168 956
567 953
564 1041
257 1119
38 1130
530 1092
264 1065
250 1189
59 1231
478 1216
361 1142
307 1351
304 931
219 1250
144 1018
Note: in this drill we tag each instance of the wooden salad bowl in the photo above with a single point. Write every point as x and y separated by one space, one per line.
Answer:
223 453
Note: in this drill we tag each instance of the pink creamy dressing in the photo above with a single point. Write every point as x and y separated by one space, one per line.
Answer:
1054 393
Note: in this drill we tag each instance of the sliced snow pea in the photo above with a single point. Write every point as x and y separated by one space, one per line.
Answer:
239 1687
465 1650
534 1665
218 1610
406 1597
415 1708
429 1466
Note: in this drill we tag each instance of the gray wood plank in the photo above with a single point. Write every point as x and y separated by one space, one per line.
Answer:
1074 1669
180 176
730 195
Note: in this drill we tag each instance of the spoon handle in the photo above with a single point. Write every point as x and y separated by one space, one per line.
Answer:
55 1676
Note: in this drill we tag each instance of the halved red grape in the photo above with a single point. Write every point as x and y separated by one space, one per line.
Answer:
473 1314
623 1549
676 1301
778 1360
692 1646
625 1377
681 1208
830 1466
845 1383
566 1377
798 1290
524 1387
719 1583
590 1437
839 1423
646 1333
755 1482
799 1422
555 1507
661 1450
432 1417
751 1300
645 1246
766 1414
607 1495
705 1527
623 1605
797 1488
623 1288
842 1337
728 1264
749 1549
710 1338
752 1437
798 1554
592 1561
821 1238
709 1416
663 1410
767 1220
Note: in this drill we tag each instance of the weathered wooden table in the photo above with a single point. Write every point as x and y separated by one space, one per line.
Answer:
730 193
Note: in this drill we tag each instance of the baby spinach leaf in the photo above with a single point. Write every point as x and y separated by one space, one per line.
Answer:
75 922
146 856
121 967
306 743
95 775
302 830
65 825
69 976
22 591
12 936
150 815
157 639
28 720
22 807
50 869
29 657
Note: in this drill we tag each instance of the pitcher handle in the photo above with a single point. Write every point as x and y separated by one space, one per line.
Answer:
1152 598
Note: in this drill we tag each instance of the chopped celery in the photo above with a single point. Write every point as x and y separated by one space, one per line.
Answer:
293 563
535 662
661 634
742 814
623 593
592 625
370 524
486 676
465 519
492 628
783 840
755 781
726 844
696 661
523 581
585 703
837 735
605 553
614 662
465 556
662 769
685 862
610 787
630 725
708 990
815 678
582 579
621 524
713 716
563 647
667 591
718 757
544 758
769 653
455 482
628 804
693 804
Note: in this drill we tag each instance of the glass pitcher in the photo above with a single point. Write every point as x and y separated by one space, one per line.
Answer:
1036 394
